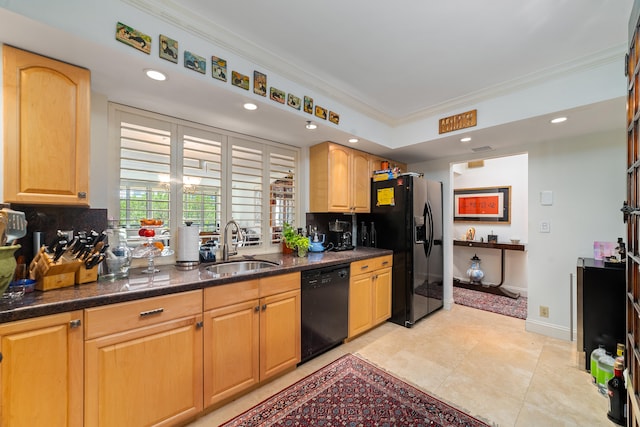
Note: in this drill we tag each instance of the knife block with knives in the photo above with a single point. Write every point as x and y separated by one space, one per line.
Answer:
64 264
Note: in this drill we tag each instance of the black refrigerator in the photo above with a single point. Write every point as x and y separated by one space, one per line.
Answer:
407 212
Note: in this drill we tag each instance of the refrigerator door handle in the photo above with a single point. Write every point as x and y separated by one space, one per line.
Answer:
428 219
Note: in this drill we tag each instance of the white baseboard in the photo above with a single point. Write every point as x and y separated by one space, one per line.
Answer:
448 303
548 329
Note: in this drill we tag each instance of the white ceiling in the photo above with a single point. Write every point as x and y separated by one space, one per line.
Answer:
403 57
393 61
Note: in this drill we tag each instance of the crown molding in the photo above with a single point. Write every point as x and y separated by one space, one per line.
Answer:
175 14
585 63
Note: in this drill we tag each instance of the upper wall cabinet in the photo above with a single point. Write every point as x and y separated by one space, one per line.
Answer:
375 163
46 130
339 179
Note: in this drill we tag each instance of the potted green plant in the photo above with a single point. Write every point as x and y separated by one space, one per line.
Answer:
295 241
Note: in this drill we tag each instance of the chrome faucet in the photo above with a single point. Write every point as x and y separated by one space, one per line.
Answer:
225 246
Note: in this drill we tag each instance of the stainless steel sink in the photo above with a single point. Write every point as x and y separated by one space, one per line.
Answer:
232 268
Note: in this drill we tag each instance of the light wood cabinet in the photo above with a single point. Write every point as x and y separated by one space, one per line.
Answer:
381 295
375 163
340 179
46 130
231 340
41 367
369 294
252 333
279 333
146 367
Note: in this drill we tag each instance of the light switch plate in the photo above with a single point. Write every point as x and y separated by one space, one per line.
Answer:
546 198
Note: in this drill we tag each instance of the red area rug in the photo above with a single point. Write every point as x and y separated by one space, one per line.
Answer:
353 392
490 302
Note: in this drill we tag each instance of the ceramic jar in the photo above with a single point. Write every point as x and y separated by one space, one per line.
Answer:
474 273
7 266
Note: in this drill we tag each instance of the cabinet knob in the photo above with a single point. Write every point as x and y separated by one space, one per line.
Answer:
0 357
257 308
82 194
264 307
199 324
75 323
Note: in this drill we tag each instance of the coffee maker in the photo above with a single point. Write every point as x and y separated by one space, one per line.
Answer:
340 235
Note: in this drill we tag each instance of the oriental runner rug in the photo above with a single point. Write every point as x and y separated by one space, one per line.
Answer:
491 302
352 392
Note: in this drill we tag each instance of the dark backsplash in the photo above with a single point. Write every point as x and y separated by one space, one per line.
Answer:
322 220
50 219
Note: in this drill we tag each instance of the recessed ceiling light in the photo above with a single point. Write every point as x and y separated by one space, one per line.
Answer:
559 120
353 140
465 139
310 125
155 75
250 106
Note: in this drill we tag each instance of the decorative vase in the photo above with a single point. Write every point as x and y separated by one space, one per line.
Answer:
302 252
7 266
474 272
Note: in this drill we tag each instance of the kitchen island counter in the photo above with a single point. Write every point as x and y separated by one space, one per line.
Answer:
168 280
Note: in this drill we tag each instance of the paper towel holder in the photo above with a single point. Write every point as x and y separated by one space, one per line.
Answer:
187 265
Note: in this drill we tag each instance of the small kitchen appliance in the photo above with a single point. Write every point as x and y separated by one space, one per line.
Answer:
340 235
316 243
13 225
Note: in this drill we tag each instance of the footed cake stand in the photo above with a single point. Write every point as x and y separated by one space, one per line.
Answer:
148 249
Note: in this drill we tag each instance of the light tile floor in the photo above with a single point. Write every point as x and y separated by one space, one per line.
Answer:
483 363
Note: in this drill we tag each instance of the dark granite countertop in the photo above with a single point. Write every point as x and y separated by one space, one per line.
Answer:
167 281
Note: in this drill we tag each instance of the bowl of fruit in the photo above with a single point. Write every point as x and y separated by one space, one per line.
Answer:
148 226
146 232
145 222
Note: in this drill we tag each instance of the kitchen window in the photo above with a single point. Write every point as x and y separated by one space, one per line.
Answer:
180 171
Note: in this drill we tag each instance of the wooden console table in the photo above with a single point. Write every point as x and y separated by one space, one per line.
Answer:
492 289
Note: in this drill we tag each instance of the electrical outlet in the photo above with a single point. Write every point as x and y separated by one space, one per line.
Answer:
544 311
545 227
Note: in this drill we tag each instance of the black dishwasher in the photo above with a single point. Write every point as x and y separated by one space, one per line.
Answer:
325 309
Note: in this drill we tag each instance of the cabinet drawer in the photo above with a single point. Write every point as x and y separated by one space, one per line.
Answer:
110 319
233 293
384 262
371 264
277 284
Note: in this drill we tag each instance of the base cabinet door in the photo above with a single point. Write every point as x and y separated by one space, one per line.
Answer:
252 333
369 294
381 295
231 353
41 371
145 377
145 369
279 333
360 309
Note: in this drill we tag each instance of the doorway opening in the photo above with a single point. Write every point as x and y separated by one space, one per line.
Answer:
492 241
